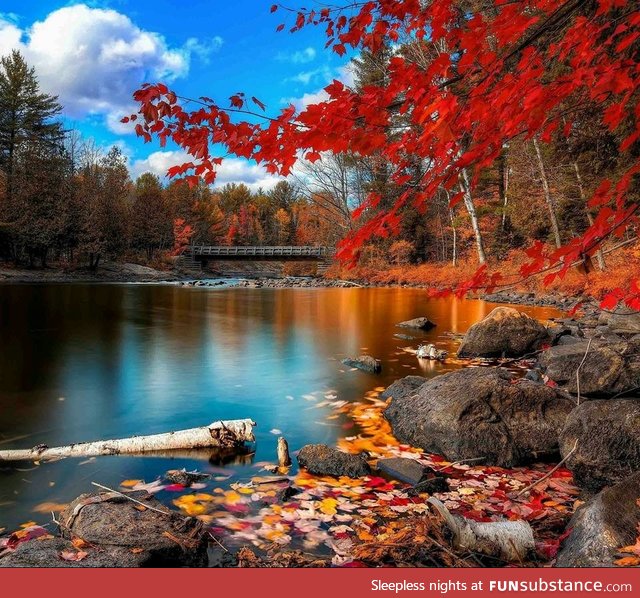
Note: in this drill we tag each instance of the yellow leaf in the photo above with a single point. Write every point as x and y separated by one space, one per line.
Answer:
130 483
328 506
466 491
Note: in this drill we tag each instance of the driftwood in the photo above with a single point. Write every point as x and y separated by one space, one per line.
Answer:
508 540
222 434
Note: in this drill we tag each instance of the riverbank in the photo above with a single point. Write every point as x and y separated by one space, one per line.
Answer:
107 272
533 461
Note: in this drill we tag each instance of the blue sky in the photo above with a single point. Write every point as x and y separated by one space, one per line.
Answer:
94 54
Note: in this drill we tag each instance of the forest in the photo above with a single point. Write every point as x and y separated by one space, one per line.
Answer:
67 202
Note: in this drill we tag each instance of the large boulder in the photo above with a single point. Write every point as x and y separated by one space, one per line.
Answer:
421 323
482 412
118 533
505 332
320 459
603 525
605 368
606 438
366 363
623 320
403 387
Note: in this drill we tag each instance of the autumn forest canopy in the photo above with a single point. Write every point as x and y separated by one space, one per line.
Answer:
497 141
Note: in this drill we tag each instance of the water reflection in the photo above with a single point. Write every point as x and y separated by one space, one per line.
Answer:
83 362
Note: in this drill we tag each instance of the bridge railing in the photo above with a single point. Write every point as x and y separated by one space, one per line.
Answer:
258 251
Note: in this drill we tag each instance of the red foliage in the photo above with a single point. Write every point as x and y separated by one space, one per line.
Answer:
506 58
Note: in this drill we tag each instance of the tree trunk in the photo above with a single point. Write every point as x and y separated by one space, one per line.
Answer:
504 187
228 434
465 187
547 195
599 254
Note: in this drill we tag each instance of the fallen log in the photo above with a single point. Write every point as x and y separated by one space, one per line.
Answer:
221 434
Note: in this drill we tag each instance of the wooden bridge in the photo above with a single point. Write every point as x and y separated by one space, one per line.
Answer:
195 256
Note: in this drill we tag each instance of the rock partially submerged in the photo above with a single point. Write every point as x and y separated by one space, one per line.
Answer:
505 332
403 387
421 323
606 438
366 363
482 413
605 368
603 525
319 459
118 532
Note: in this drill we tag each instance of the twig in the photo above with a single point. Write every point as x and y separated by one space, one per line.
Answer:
72 532
217 541
580 367
132 499
460 462
549 473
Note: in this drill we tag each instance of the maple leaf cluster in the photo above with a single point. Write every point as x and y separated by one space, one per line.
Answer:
495 71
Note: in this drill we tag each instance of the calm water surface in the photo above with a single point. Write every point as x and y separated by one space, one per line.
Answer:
87 362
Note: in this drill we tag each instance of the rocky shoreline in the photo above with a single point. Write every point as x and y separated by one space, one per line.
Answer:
577 406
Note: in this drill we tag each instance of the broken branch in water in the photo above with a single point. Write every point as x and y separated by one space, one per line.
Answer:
510 540
226 434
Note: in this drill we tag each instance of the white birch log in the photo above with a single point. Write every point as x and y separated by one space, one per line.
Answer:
225 434
509 540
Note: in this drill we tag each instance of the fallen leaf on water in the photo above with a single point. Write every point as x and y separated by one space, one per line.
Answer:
49 507
131 483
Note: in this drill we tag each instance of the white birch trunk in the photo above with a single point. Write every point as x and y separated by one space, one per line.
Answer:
465 187
583 197
218 434
547 195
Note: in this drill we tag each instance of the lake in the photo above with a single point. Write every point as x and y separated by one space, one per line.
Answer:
88 362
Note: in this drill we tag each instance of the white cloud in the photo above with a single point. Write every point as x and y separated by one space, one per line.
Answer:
232 170
344 74
305 77
94 59
298 57
10 35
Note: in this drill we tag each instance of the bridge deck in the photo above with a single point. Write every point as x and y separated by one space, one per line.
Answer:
281 252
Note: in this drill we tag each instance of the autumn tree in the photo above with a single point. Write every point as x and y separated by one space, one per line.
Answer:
150 221
508 70
104 189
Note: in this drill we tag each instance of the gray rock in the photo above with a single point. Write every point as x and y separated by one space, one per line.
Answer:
505 332
602 526
421 323
608 368
622 320
366 363
114 522
568 340
404 337
47 553
403 387
320 459
607 433
408 471
482 412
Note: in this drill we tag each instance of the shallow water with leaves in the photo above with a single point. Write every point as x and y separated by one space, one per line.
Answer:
86 362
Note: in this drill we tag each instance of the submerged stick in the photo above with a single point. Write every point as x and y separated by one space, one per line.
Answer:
284 460
224 434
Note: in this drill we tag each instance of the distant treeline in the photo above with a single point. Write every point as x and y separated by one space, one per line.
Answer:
64 198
